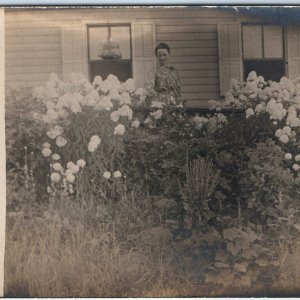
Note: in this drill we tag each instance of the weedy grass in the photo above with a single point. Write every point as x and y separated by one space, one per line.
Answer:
46 258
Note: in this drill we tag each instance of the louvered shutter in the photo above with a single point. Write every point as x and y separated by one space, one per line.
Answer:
230 56
143 52
293 46
74 49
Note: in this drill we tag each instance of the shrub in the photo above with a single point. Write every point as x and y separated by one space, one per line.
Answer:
24 163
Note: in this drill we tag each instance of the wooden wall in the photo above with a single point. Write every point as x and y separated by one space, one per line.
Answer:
33 43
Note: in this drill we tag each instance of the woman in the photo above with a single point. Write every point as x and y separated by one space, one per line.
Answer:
167 81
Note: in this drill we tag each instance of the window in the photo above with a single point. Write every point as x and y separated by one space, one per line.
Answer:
263 51
110 51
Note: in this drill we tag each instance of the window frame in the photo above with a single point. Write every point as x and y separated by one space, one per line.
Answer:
284 45
108 24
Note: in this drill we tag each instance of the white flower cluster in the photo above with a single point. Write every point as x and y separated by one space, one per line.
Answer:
285 134
280 100
55 133
199 121
157 114
116 174
119 129
289 156
66 176
213 122
94 143
123 111
61 98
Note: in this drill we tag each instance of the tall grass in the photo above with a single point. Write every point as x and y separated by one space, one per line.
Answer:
122 256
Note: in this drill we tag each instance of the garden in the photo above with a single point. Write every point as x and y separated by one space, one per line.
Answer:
113 193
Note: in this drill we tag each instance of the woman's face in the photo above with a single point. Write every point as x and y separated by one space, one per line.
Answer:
162 56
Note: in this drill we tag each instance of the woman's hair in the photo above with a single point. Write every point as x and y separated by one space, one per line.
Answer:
162 46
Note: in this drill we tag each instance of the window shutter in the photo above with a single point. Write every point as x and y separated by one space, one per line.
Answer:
143 52
74 49
230 56
293 43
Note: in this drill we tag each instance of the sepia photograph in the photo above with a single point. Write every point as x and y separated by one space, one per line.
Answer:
152 151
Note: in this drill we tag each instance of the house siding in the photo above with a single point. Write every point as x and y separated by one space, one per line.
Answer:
34 50
31 53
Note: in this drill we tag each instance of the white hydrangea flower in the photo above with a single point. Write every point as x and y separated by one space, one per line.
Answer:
288 156
55 177
55 156
284 138
252 76
55 132
297 157
57 167
89 100
115 116
117 174
287 130
135 124
70 178
91 147
274 86
275 110
148 121
129 85
260 108
81 163
107 175
199 121
94 143
157 104
119 129
97 80
46 152
60 141
296 167
125 98
65 101
287 84
250 88
157 114
249 112
70 165
125 111
95 140
140 92
76 107
221 118
104 104
278 133
114 94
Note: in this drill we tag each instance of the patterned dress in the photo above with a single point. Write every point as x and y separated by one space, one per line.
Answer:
167 83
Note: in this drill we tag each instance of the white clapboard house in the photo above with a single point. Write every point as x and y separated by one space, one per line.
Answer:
209 46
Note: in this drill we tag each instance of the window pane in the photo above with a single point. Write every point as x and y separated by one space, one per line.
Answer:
269 69
273 43
98 36
252 41
121 35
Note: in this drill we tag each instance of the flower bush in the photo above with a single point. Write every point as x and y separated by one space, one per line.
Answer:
87 123
217 185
